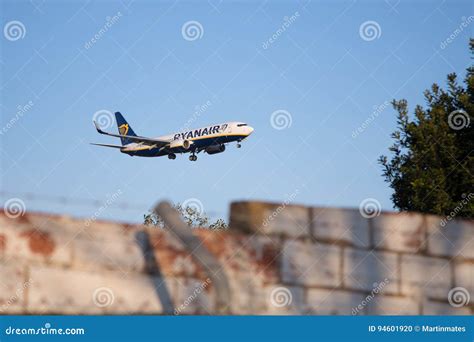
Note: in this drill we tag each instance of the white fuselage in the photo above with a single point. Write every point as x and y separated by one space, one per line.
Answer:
196 139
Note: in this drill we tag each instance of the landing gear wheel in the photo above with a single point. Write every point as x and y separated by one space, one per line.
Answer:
239 145
172 156
193 157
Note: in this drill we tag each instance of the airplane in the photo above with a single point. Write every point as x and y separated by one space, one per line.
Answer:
210 139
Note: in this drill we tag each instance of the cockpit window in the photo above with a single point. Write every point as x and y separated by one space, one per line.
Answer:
240 125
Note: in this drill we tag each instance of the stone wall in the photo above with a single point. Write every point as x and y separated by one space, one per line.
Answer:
278 259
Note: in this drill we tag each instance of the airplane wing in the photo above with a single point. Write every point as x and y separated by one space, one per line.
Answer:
144 140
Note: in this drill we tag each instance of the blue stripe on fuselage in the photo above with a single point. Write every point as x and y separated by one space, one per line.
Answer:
155 152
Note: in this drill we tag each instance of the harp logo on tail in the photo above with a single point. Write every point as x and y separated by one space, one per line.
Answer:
123 129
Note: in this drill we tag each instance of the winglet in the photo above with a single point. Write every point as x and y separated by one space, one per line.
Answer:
97 127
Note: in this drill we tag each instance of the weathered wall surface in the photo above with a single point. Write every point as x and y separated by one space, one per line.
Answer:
278 259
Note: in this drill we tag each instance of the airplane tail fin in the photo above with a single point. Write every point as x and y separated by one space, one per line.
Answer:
124 128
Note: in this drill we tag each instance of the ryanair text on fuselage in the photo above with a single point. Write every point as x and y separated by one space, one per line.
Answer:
200 132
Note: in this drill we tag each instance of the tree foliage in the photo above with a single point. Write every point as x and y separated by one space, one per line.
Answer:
191 215
431 168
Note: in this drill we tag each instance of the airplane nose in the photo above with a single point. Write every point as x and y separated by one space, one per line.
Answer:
250 130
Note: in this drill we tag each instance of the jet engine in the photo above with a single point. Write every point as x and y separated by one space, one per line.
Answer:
186 144
213 149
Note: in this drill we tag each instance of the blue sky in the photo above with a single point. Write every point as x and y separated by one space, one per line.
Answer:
324 70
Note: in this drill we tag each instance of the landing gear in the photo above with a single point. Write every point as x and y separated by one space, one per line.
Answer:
193 157
172 156
239 145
